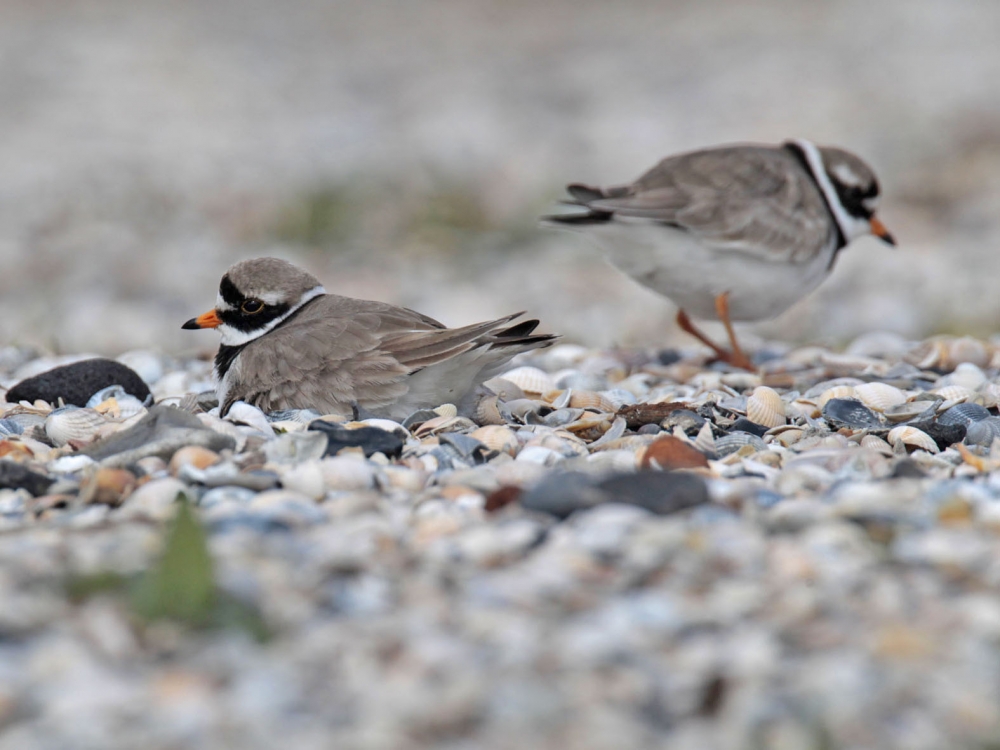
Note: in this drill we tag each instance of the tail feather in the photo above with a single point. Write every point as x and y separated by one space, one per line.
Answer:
582 195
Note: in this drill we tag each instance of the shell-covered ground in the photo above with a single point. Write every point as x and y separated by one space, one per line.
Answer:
612 549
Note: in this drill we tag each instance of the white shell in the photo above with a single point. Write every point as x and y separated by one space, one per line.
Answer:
913 437
72 423
498 438
879 396
765 407
591 400
530 380
875 443
954 393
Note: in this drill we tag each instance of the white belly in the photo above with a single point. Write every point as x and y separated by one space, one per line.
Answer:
670 262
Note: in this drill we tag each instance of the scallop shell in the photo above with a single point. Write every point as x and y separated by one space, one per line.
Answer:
497 438
875 443
912 437
734 441
71 423
984 432
879 396
964 414
954 392
531 380
765 407
591 400
837 391
967 375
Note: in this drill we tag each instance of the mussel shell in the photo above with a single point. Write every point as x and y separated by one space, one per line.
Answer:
849 412
745 425
964 414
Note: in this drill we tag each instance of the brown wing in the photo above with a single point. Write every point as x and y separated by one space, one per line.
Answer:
753 199
341 352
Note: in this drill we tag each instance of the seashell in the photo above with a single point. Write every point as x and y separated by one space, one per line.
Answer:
983 432
487 411
947 354
301 416
561 417
504 389
531 380
439 425
913 438
964 414
820 388
910 410
786 435
879 396
705 439
446 410
844 412
419 417
765 407
875 443
246 414
497 438
558 399
954 392
591 400
967 375
615 431
520 408
837 391
620 397
590 427
9 427
73 424
734 441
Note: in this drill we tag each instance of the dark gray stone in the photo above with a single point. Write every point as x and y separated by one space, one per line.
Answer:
371 440
163 431
659 492
77 382
14 476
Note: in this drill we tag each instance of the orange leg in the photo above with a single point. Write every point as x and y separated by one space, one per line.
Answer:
736 357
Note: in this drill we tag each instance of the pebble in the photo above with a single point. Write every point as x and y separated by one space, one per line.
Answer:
75 383
624 546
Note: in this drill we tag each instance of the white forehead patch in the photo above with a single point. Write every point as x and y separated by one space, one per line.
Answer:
846 175
221 304
870 203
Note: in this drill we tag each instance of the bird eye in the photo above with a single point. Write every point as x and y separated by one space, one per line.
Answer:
252 306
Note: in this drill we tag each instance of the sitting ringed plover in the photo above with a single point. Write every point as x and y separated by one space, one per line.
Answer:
287 344
735 232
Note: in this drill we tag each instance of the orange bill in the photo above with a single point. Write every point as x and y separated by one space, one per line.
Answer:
205 320
879 230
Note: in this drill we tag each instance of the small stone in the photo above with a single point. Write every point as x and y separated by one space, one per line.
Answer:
162 432
155 499
347 473
193 455
658 492
306 478
668 453
501 498
16 476
637 415
108 487
370 439
562 493
77 382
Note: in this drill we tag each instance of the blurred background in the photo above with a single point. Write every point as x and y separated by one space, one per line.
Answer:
403 151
